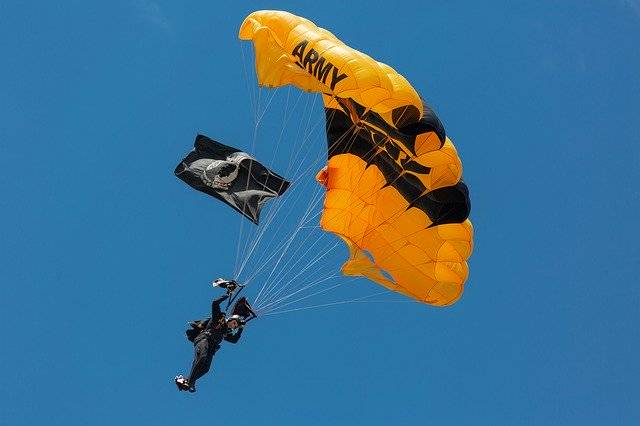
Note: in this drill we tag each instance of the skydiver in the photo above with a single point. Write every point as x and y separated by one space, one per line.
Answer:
208 334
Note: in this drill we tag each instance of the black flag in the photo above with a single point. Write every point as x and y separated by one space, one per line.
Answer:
231 176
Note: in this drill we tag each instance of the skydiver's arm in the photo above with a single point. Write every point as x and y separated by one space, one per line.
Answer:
215 305
233 338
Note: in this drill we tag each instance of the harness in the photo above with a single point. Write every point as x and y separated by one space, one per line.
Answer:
241 307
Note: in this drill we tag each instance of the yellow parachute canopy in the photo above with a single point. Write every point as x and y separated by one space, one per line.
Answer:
393 178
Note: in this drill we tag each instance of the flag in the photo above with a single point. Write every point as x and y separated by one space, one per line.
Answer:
230 175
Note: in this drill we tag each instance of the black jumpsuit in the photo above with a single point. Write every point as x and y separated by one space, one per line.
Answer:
208 341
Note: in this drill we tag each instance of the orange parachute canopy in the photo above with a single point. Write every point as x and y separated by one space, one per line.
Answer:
393 178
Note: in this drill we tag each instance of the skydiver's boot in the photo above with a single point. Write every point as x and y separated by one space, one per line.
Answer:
182 383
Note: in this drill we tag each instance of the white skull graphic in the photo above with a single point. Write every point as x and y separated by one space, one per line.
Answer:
220 174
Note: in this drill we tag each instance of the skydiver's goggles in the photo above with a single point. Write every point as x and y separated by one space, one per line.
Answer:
236 318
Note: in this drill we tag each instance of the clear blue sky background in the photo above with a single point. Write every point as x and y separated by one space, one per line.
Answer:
104 253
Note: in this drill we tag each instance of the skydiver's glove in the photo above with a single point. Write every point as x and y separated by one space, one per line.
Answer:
231 286
241 324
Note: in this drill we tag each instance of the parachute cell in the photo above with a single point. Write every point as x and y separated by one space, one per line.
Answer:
393 177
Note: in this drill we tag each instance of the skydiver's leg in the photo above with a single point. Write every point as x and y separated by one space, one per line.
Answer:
202 357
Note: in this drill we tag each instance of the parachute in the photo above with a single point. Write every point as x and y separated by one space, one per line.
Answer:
394 192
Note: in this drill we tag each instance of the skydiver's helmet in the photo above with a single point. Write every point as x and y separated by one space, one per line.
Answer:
236 318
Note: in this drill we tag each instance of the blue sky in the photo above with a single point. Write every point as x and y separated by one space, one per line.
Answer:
105 254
